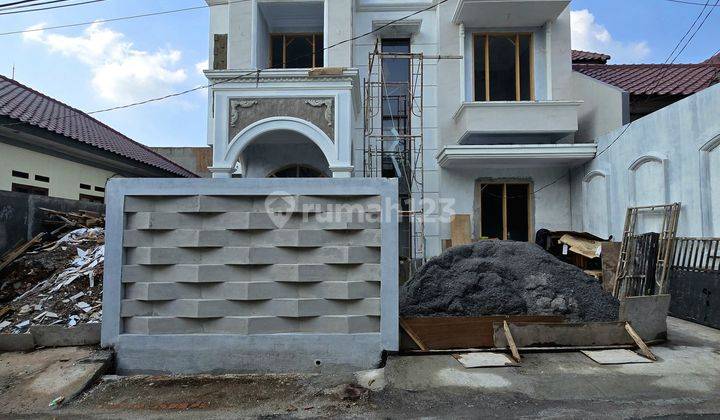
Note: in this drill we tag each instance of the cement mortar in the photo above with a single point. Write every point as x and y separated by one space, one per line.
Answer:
505 278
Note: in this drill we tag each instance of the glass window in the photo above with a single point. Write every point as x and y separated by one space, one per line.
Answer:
503 67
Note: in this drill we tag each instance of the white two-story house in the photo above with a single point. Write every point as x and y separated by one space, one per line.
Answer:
468 102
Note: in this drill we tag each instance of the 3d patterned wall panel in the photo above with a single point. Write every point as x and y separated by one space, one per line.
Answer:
250 275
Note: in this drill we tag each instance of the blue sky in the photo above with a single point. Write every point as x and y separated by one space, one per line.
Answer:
116 63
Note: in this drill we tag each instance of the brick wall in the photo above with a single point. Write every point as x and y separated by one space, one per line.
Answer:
251 272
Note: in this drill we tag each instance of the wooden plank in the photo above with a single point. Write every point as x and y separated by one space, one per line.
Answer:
511 342
15 253
644 349
460 230
451 333
562 335
412 335
609 254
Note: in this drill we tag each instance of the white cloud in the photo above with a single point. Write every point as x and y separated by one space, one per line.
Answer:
121 73
201 67
589 35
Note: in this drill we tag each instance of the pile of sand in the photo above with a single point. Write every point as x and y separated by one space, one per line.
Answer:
505 278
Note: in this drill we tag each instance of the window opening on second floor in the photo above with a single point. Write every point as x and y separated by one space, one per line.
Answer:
296 51
503 67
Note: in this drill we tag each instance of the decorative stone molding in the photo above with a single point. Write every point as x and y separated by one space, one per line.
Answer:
328 104
235 107
319 111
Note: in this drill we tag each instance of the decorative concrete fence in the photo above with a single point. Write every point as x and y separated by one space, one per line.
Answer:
250 275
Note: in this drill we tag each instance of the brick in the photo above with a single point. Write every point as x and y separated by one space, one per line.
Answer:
181 273
246 291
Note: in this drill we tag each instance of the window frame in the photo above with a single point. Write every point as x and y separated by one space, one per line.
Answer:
486 51
530 200
284 35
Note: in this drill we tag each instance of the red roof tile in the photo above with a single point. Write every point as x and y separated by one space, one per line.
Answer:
587 57
29 106
655 79
713 60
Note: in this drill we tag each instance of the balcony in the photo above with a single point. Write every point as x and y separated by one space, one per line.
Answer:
549 120
515 155
507 13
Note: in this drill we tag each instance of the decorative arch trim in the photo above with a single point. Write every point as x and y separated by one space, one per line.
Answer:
711 145
244 138
594 174
649 157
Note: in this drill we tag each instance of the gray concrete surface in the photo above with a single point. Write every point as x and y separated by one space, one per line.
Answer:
684 383
30 381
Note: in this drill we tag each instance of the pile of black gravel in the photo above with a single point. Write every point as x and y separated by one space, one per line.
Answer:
505 278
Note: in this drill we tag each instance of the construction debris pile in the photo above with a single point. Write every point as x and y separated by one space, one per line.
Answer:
505 278
54 283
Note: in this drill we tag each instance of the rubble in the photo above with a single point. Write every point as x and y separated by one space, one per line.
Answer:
55 283
505 278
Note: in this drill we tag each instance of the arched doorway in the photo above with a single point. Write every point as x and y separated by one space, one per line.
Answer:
283 154
273 144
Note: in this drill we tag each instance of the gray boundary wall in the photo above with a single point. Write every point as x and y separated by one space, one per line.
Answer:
250 275
21 217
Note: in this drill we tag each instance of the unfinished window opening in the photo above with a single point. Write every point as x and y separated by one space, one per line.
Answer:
505 211
85 187
42 178
29 189
296 51
503 67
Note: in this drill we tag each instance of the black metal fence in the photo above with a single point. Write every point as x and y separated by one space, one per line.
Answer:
695 280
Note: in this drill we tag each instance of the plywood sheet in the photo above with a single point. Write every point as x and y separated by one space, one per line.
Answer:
484 360
460 230
452 333
615 357
563 335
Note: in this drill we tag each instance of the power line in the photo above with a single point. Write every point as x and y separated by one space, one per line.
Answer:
22 6
17 2
51 7
694 3
143 15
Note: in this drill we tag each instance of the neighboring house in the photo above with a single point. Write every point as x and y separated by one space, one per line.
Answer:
649 87
491 119
49 148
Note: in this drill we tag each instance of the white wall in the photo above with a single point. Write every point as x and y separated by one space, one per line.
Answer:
605 107
672 155
65 176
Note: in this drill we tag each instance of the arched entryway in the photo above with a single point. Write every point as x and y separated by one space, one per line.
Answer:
274 144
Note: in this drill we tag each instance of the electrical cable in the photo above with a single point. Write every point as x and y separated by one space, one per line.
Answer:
61 6
23 6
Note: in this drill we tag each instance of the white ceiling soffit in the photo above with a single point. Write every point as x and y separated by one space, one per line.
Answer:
507 13
294 16
404 28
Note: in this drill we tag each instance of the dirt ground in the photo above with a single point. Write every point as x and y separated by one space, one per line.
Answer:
684 383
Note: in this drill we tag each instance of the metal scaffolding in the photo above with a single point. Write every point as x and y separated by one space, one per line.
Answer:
393 139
